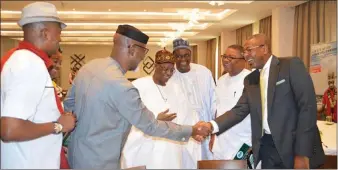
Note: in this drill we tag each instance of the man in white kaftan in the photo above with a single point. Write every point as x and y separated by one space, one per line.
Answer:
229 89
157 95
197 100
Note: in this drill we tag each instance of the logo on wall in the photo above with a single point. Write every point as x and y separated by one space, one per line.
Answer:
148 65
77 61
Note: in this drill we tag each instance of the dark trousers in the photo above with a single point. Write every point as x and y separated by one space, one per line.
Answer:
268 154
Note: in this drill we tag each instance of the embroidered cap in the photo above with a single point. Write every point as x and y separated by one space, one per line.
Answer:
164 56
180 43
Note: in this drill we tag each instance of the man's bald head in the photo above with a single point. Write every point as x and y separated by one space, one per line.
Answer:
257 50
262 39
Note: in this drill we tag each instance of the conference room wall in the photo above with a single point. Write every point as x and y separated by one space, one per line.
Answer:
99 51
96 51
7 44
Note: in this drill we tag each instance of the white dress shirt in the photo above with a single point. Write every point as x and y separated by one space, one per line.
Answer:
27 93
228 91
157 99
266 69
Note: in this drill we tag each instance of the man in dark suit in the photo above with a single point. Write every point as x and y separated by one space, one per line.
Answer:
280 97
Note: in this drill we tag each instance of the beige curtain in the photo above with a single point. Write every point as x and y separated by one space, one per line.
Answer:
315 22
194 54
219 58
211 55
243 33
265 27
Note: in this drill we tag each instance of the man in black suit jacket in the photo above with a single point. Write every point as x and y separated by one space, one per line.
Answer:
283 113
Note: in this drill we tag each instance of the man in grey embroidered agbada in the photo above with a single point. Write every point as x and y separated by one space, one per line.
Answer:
107 105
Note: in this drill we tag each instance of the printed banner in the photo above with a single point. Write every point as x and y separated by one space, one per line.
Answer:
322 64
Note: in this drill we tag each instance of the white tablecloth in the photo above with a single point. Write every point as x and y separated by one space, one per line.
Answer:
328 137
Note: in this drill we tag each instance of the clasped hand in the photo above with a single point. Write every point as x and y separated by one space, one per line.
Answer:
201 130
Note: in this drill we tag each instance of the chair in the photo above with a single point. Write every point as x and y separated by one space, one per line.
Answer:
136 167
222 164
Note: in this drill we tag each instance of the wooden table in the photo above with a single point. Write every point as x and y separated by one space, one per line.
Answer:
329 139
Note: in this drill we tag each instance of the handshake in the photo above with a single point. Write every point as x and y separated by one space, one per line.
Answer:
201 130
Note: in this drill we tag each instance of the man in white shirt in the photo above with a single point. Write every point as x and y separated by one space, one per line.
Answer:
31 124
157 96
228 90
196 92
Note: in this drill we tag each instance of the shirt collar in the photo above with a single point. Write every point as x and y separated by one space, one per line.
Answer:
238 76
118 65
43 55
267 64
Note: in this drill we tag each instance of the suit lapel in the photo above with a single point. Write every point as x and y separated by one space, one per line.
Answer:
256 92
273 76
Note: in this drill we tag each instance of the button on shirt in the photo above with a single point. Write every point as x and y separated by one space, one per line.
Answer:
265 114
27 93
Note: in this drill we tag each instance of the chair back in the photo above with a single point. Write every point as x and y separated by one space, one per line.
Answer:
222 164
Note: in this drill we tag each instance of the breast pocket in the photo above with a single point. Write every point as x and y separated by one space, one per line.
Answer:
282 89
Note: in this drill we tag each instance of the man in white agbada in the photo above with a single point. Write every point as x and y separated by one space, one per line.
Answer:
197 100
229 90
141 149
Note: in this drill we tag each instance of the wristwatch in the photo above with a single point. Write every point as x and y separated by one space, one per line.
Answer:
57 127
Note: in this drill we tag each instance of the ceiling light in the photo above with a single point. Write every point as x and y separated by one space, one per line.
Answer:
223 2
163 43
212 3
109 9
116 13
179 27
219 3
96 43
73 9
224 13
194 15
10 33
97 32
89 42
120 13
92 39
170 24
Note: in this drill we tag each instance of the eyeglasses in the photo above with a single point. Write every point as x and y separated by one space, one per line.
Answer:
145 50
230 57
248 50
167 70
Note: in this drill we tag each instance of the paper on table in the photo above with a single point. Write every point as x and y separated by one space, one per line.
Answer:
328 136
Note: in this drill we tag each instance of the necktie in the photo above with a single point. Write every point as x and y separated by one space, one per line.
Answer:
262 87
